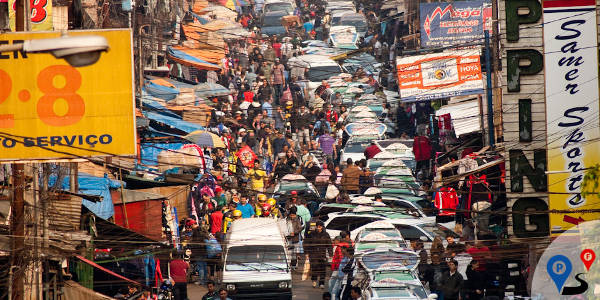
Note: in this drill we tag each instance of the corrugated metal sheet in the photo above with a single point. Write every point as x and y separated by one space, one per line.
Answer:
465 116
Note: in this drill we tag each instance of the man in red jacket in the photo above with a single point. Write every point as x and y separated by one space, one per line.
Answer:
178 272
422 152
371 151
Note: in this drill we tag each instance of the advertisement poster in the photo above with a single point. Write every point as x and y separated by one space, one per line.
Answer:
571 55
49 109
41 15
454 23
440 75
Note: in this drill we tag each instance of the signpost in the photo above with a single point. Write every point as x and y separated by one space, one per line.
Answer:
49 109
573 129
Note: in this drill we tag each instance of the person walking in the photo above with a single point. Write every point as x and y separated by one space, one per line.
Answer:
350 177
294 234
178 268
347 269
211 293
318 246
452 282
434 275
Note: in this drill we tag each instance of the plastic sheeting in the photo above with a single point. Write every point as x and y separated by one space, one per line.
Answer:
159 89
176 123
95 186
188 59
149 151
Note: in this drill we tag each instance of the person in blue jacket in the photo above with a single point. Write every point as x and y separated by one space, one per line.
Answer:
245 207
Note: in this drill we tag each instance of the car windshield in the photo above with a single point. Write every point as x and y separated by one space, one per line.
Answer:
355 148
272 21
360 25
256 257
438 230
377 234
295 185
318 74
281 6
395 292
387 260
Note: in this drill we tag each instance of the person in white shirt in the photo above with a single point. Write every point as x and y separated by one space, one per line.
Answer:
355 293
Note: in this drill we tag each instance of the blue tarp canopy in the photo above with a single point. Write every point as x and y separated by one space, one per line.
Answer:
94 186
176 123
149 151
180 56
161 91
211 90
152 105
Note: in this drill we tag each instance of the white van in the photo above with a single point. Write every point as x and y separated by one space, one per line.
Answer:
255 262
316 67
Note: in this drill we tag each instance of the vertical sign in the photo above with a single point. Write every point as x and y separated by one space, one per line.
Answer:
571 59
41 14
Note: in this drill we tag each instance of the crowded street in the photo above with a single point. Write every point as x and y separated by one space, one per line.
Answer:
298 150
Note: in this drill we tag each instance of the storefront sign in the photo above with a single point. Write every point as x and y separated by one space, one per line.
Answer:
573 129
49 109
41 14
453 23
440 75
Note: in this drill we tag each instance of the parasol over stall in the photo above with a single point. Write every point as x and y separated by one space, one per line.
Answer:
204 138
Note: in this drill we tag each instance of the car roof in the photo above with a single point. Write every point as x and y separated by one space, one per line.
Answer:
353 15
277 13
255 231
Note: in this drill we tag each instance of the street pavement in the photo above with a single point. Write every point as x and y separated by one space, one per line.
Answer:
302 290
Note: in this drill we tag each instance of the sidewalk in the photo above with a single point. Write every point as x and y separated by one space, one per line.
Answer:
195 292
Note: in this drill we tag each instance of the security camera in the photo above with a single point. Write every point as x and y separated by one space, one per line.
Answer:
78 51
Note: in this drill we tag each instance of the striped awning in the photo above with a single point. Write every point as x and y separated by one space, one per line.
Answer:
184 57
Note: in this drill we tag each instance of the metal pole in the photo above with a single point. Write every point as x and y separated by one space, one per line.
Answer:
20 15
17 230
490 103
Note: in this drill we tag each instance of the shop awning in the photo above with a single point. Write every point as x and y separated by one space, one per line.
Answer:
180 124
465 116
183 57
161 88
211 90
210 56
201 19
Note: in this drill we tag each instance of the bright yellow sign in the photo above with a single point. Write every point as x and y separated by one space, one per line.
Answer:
49 109
41 14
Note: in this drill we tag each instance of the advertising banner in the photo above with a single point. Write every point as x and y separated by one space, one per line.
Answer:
573 129
41 14
454 23
439 75
49 109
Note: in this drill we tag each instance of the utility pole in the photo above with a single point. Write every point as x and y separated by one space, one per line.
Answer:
17 231
18 265
488 75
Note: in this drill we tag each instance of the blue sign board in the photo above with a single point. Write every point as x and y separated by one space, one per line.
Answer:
458 23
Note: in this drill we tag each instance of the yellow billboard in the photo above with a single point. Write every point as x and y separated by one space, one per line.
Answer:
49 109
41 14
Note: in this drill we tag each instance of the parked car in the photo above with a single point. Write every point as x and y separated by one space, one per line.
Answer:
391 274
271 6
271 23
256 262
357 20
378 235
356 220
294 182
316 67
